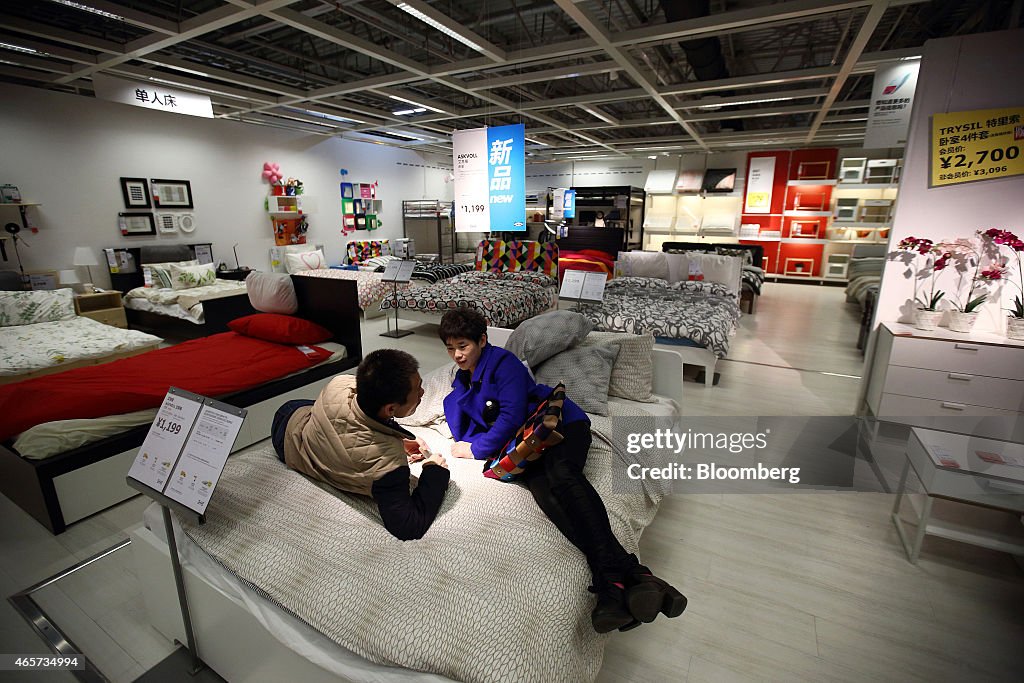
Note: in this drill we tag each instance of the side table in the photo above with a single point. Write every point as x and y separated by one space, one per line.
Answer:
104 306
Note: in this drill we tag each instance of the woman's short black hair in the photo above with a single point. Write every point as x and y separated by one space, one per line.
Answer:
462 323
384 376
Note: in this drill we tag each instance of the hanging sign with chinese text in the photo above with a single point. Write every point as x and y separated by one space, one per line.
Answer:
891 100
151 96
490 179
760 181
976 145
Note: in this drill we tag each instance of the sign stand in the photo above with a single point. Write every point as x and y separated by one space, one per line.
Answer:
193 435
395 272
582 286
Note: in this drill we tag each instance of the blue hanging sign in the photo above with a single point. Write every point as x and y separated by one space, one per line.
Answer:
490 179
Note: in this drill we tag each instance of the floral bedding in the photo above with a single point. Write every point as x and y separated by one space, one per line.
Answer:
186 302
27 348
505 299
368 284
703 312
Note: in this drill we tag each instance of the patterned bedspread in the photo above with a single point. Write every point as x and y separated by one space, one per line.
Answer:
505 299
368 285
189 300
435 272
27 348
705 313
752 278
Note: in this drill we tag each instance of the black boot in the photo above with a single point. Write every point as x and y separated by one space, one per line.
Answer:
646 595
611 611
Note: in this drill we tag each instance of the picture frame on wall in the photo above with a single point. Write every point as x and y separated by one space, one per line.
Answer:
135 224
136 193
171 194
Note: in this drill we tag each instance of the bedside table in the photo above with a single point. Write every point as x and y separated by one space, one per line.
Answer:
105 307
236 274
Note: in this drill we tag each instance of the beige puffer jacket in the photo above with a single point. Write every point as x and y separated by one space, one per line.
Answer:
335 442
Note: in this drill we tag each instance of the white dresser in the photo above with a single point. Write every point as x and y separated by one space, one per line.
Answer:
966 383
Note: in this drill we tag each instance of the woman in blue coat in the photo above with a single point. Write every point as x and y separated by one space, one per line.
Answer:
491 397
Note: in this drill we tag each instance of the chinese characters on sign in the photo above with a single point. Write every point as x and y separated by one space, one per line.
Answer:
144 96
490 179
976 145
891 100
760 181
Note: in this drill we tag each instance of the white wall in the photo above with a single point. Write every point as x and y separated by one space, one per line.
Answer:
957 74
68 152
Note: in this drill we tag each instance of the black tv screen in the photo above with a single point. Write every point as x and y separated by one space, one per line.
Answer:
719 180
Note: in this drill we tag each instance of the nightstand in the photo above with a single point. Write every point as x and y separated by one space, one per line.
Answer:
105 307
236 274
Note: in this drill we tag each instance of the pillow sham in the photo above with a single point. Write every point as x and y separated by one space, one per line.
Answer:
745 254
26 308
160 273
272 293
632 374
646 264
184 277
380 262
639 282
281 329
704 287
538 338
306 260
585 371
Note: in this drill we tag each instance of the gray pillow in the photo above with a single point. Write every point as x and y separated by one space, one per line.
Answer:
585 371
633 370
539 338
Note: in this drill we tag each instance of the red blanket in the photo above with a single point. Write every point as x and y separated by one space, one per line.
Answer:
211 366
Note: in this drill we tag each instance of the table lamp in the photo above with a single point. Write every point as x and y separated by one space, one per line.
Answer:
85 257
70 278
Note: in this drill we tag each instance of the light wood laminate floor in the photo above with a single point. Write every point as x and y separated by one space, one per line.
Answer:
781 587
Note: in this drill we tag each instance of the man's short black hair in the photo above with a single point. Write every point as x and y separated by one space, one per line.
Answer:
384 376
462 323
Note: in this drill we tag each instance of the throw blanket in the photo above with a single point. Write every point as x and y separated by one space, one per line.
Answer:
212 366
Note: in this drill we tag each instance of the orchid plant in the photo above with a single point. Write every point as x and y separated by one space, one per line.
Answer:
1001 269
936 260
967 256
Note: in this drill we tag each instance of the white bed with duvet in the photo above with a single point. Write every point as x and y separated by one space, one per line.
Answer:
335 595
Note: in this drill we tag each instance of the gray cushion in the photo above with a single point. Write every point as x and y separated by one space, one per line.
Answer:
633 370
585 371
539 338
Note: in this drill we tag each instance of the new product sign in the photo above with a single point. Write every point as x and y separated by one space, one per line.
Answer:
760 178
976 145
490 179
891 99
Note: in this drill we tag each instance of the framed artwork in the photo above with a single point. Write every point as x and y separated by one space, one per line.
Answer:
171 194
135 192
133 224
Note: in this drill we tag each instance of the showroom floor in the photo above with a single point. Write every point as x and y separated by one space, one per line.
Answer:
783 587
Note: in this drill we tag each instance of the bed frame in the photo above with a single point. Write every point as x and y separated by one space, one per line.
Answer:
232 641
608 240
67 487
217 313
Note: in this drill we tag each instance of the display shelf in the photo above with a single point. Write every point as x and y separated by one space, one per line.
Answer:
811 183
798 213
867 186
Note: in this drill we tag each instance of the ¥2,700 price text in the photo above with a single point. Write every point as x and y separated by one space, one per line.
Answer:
168 426
473 208
981 156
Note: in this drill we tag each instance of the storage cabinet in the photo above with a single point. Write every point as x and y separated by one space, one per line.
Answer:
105 307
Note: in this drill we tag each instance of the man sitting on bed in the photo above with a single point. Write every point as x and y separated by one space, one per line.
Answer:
348 438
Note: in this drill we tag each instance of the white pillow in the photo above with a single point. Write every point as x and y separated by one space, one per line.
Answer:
722 269
25 308
272 293
646 264
161 272
677 267
184 277
307 260
299 248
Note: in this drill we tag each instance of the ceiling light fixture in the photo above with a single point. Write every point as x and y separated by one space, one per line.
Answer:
745 102
536 142
19 48
597 114
91 10
325 115
406 112
434 23
417 104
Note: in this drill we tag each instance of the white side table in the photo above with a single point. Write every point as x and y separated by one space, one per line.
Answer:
949 466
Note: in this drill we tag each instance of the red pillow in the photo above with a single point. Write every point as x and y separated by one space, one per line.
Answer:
281 329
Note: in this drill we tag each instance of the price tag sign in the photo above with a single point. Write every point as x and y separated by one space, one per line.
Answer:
166 437
976 145
205 453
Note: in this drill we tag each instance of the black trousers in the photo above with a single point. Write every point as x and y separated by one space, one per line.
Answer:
569 500
281 417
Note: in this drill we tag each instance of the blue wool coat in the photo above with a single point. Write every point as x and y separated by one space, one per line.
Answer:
500 377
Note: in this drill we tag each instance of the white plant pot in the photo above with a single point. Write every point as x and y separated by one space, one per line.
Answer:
1015 328
926 320
961 322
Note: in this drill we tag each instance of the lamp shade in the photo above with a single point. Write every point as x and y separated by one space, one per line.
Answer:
84 256
69 277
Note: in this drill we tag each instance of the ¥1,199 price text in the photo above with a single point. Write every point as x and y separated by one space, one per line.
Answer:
168 426
473 208
70 662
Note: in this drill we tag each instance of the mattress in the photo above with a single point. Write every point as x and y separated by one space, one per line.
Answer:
185 304
28 348
51 438
462 594
703 312
368 284
504 299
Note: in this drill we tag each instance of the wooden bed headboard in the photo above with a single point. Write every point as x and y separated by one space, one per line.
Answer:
334 304
130 260
513 255
608 240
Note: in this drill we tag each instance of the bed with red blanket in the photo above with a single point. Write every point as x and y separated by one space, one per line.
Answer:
238 369
590 260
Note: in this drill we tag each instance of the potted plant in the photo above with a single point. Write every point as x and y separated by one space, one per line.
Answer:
927 315
1001 270
967 258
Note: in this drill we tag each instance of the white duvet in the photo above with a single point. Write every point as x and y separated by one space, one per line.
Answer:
27 348
181 303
